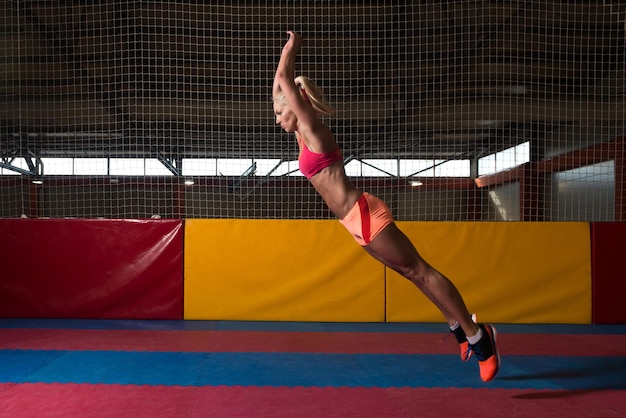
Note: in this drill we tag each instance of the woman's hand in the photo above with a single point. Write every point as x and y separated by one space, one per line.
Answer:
293 43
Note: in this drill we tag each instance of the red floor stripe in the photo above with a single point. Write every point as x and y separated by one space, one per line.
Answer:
71 400
302 342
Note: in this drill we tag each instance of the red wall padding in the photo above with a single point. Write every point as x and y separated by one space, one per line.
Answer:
71 268
608 253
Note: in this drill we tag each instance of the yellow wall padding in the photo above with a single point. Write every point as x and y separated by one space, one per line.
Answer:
279 270
507 272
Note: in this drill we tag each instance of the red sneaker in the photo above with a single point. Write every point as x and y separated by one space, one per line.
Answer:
466 351
487 353
461 338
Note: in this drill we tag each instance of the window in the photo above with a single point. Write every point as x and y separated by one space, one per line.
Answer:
504 160
237 167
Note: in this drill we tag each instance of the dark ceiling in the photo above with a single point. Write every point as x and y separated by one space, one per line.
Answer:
434 79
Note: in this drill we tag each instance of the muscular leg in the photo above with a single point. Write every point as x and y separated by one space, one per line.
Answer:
394 249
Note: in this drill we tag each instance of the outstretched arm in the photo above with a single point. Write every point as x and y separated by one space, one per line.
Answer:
285 73
284 84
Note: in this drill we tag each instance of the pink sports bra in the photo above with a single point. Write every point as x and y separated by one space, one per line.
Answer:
311 163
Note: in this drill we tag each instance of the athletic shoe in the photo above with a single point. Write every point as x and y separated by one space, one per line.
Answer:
461 338
487 353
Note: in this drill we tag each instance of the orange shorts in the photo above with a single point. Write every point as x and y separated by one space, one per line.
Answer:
367 218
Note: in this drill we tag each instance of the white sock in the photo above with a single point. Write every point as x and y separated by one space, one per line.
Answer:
454 326
475 338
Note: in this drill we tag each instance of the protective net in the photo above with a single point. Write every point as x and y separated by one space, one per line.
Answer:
466 110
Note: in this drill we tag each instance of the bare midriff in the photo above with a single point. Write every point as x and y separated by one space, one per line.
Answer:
336 189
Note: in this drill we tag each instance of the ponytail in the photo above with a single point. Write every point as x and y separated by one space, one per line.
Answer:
313 95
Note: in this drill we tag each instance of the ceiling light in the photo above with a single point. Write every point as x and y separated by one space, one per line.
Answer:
416 183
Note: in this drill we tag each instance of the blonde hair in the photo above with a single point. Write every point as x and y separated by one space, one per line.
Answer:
311 93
